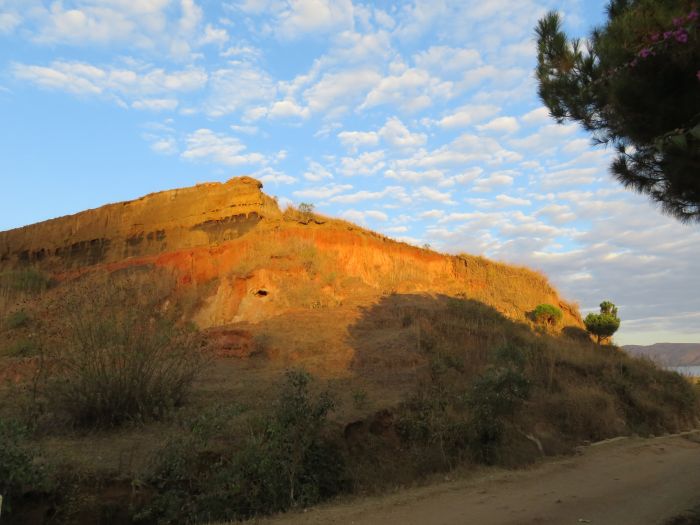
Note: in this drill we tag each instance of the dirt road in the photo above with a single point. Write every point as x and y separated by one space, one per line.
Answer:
624 482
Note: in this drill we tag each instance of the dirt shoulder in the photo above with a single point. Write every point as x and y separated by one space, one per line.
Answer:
623 482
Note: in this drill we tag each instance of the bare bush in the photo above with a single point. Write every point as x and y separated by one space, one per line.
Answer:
124 353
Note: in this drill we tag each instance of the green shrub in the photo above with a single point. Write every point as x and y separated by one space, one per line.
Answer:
19 474
29 280
547 315
22 348
17 319
511 355
125 357
493 399
286 461
359 398
433 420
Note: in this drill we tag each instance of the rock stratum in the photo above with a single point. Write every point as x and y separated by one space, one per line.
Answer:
206 214
248 261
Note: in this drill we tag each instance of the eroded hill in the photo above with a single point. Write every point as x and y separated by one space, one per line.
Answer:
430 361
254 262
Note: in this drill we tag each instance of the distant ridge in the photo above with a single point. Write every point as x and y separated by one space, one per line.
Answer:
668 354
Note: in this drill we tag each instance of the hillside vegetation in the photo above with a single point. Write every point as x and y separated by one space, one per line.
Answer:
302 360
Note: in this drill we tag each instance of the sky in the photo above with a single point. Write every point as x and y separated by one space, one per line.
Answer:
418 119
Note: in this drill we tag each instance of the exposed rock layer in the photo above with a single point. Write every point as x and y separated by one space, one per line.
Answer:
206 214
247 261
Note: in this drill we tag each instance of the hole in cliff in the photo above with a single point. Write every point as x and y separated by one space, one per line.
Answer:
261 293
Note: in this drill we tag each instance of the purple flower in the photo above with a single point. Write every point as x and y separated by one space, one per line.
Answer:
644 53
693 15
667 34
678 21
655 37
681 36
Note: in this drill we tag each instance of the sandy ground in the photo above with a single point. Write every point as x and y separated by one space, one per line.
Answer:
621 482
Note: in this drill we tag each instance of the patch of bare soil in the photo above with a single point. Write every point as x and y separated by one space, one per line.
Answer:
620 482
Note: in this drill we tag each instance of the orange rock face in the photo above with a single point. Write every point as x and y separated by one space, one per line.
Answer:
248 262
206 214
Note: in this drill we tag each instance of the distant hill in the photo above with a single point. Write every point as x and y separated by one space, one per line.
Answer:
668 354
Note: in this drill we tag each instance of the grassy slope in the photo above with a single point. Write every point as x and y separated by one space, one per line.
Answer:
394 359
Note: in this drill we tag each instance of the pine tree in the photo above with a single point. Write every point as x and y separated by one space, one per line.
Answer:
635 85
604 324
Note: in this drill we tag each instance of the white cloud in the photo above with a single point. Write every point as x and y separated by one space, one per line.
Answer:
317 172
377 215
362 216
464 150
365 164
412 90
322 192
392 192
271 176
350 47
396 134
557 213
569 177
487 183
416 176
145 24
248 130
468 115
155 104
505 125
287 109
166 146
508 200
445 59
384 19
432 214
301 17
577 146
204 144
354 140
354 216
338 91
468 175
81 78
537 116
8 22
546 139
432 194
239 87
214 35
244 51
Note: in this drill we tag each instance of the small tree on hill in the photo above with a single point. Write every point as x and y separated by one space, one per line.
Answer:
604 324
547 315
306 210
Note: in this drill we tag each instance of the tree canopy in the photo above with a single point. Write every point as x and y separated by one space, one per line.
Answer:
547 315
604 324
635 85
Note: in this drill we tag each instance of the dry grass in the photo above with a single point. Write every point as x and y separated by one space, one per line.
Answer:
275 253
378 358
411 357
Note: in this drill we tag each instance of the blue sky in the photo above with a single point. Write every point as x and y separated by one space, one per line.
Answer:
418 119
